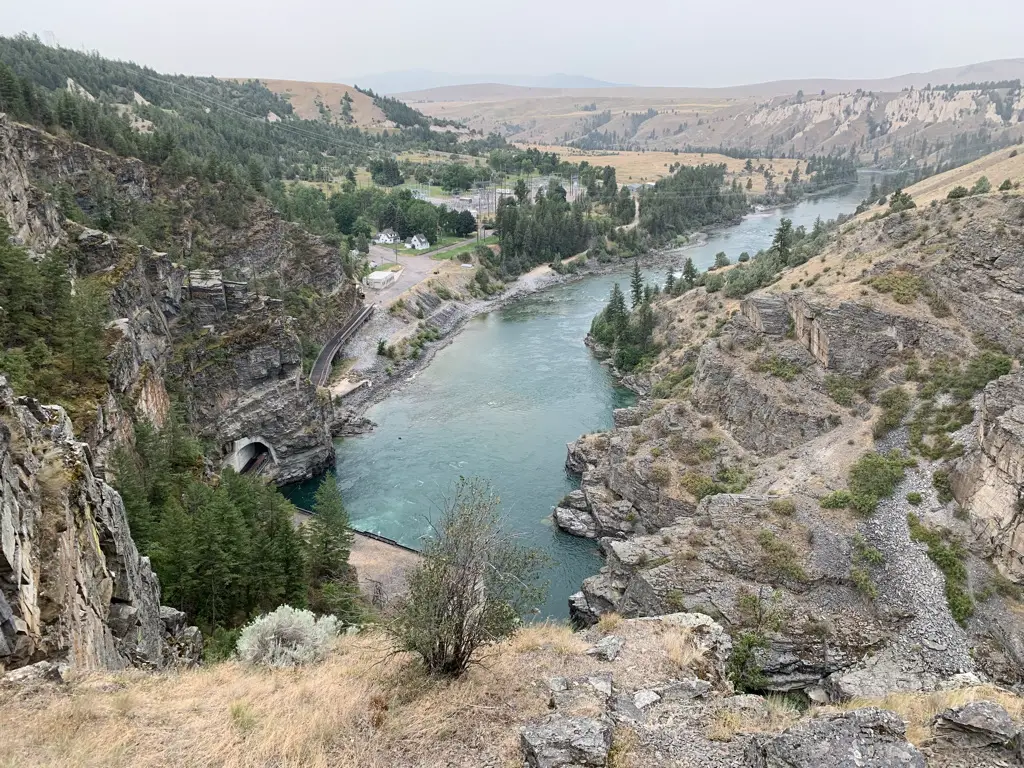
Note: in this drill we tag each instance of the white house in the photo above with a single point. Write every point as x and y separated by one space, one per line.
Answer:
387 237
417 243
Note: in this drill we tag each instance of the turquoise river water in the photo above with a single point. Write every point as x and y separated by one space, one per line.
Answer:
501 402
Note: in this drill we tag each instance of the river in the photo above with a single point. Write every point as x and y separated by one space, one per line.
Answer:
502 401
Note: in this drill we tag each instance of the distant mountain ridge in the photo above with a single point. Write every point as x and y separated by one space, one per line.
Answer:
423 79
492 88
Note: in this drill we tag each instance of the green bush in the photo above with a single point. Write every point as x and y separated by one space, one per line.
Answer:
779 557
895 404
949 555
836 500
957 192
777 367
862 582
841 389
871 478
903 286
942 484
783 507
661 474
914 498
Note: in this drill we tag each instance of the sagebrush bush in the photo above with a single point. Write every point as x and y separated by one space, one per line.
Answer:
287 637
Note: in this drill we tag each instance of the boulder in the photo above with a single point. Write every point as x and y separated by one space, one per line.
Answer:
566 742
863 738
576 522
978 724
607 648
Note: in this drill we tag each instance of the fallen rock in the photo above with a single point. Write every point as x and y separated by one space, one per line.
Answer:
564 742
975 725
607 648
41 671
644 699
863 738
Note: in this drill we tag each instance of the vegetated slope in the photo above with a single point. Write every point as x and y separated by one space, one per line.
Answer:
997 167
325 101
757 482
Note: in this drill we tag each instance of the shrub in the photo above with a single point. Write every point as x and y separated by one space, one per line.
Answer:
287 637
957 192
840 388
779 557
903 286
699 485
777 367
981 186
895 404
949 555
875 475
783 507
862 582
914 498
836 500
471 587
942 484
1006 185
661 474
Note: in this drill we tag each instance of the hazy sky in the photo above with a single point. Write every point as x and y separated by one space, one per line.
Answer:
643 42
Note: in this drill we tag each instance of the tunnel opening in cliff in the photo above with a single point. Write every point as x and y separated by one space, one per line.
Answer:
250 455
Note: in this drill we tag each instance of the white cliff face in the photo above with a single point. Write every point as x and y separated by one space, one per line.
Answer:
73 588
990 480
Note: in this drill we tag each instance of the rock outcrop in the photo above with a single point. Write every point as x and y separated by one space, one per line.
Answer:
74 590
990 479
872 738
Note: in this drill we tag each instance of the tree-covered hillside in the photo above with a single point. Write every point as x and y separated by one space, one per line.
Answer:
133 110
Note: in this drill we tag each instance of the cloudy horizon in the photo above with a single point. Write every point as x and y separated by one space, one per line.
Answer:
650 42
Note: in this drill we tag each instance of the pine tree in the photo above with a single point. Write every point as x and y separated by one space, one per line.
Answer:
670 280
689 274
618 315
328 543
636 284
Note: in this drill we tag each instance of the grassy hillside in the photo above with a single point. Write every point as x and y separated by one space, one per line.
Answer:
996 167
324 101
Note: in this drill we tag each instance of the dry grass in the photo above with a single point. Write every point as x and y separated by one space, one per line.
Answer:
997 166
608 622
918 709
362 707
778 714
680 648
303 97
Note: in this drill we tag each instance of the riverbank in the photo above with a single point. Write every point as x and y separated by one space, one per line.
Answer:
539 279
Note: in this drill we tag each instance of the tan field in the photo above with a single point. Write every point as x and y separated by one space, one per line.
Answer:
303 98
634 167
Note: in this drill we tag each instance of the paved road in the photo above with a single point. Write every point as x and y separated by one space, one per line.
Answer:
418 267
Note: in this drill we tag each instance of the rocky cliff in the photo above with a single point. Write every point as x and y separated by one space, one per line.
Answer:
731 490
236 364
74 590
